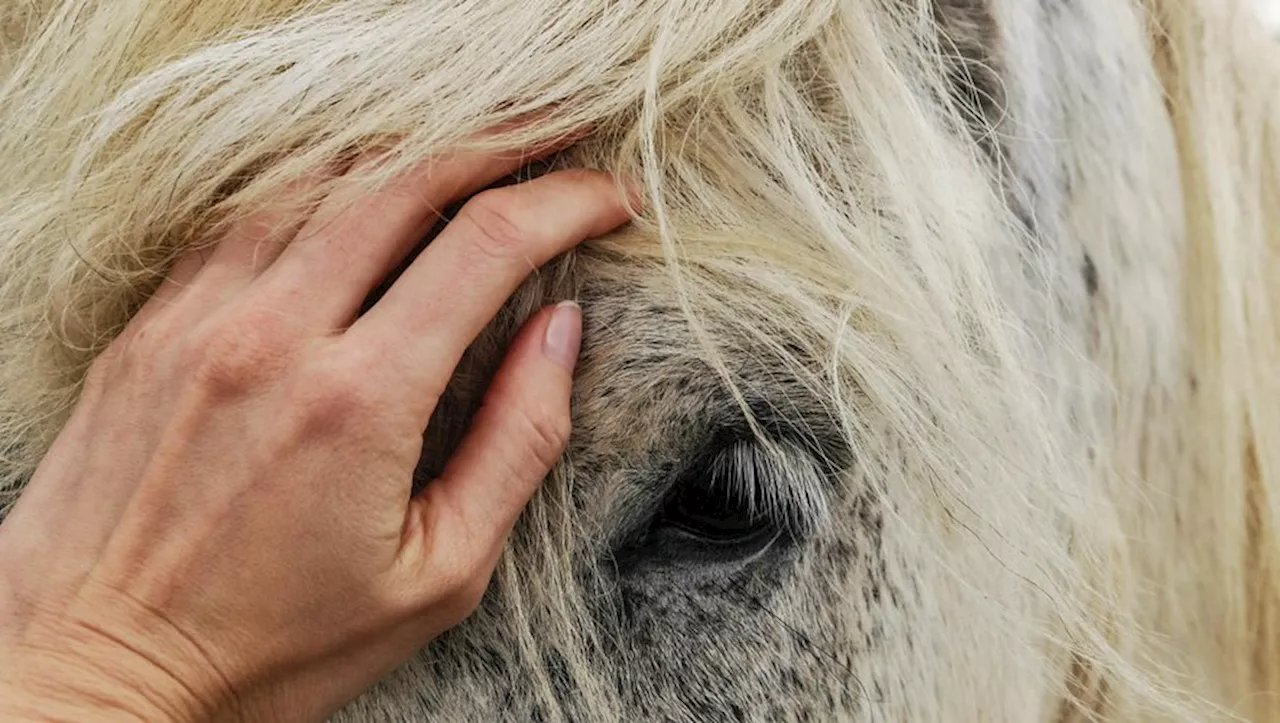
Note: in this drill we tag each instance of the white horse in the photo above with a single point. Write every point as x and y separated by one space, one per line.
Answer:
938 380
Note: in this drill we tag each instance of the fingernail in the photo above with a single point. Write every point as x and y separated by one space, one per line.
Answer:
563 337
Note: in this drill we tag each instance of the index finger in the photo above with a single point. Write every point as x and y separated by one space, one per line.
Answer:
438 306
353 241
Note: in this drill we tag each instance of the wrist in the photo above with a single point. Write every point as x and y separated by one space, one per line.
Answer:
77 670
73 684
28 703
69 696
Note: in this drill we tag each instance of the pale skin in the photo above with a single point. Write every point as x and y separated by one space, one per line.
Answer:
224 529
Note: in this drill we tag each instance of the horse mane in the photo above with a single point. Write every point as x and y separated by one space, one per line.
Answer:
1219 72
794 140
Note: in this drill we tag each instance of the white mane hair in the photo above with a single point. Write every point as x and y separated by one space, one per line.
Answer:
1096 481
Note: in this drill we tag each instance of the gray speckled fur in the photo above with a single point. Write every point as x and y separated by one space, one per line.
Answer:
815 630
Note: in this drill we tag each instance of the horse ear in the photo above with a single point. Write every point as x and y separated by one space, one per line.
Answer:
1220 70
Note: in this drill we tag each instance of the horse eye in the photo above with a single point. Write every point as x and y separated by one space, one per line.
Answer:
716 502
711 512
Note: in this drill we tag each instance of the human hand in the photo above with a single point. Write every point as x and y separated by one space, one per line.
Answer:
224 529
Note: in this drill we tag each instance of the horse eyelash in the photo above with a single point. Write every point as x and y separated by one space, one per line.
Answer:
774 479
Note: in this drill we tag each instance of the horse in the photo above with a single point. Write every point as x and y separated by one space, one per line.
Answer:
934 379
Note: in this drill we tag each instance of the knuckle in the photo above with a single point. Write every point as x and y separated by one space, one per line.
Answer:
498 223
96 378
141 350
469 596
543 437
335 391
461 585
239 354
137 352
